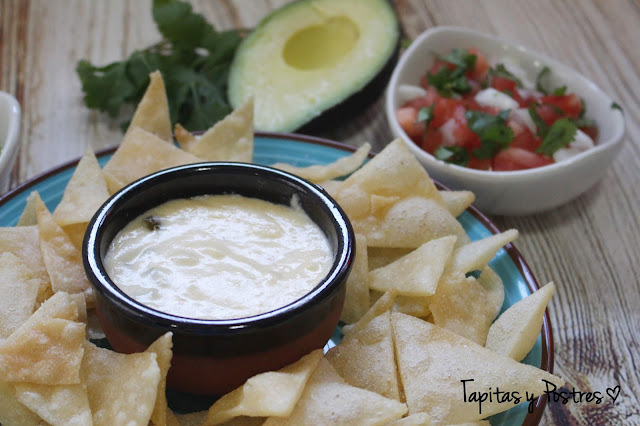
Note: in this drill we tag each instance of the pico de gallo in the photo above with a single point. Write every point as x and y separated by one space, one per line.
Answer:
469 113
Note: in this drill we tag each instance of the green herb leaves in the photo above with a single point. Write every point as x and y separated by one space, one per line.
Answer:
452 154
493 132
451 81
560 134
425 114
194 61
501 71
542 83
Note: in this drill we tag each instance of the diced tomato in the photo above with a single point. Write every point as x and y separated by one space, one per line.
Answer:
570 104
463 135
481 66
424 101
518 159
502 84
443 110
547 113
438 64
591 131
432 140
525 140
407 118
475 163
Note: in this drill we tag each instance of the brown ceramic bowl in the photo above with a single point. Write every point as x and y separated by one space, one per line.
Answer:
212 357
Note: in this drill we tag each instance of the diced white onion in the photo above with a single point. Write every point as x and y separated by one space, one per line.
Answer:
581 142
492 98
407 92
522 116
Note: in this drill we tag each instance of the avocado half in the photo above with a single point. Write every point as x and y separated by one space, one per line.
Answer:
312 57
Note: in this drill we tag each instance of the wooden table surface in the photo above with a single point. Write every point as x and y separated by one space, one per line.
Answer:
589 247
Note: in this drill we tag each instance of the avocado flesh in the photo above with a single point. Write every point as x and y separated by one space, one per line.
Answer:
310 56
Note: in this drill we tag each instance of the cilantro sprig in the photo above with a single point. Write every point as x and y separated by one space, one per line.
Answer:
425 115
492 130
452 154
193 58
453 81
501 71
560 134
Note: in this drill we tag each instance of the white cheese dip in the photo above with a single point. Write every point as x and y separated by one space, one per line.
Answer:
219 257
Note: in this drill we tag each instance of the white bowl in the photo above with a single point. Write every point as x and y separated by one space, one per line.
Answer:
515 192
9 134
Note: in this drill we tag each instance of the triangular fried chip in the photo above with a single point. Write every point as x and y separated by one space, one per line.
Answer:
417 273
328 400
515 332
492 283
356 301
365 358
62 405
382 256
46 352
230 139
417 419
141 153
476 255
184 137
62 259
462 305
12 411
457 201
19 291
319 173
191 419
331 186
85 192
274 393
29 216
383 304
76 233
121 388
433 361
152 113
162 347
24 242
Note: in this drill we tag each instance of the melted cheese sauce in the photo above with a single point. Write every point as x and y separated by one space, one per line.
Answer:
219 257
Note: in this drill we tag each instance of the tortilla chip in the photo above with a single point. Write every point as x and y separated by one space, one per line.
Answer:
84 194
382 256
24 242
492 283
356 302
328 400
191 419
432 362
19 292
331 186
417 273
46 352
141 153
230 139
383 304
121 388
417 419
365 358
152 113
58 405
183 136
162 347
457 201
515 332
12 411
476 255
274 393
76 233
29 216
62 259
320 173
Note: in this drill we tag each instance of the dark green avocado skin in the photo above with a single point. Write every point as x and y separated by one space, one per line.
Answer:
354 104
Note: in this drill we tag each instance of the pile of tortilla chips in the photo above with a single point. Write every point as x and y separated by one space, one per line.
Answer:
421 303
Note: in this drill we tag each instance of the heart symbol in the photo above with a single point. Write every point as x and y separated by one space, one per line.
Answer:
613 393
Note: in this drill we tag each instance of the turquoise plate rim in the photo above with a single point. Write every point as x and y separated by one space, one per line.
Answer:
472 213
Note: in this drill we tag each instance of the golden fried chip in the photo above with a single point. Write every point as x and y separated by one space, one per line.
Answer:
183 136
476 255
382 256
141 153
19 291
433 361
162 347
417 273
409 223
365 358
462 306
29 216
417 419
356 302
121 388
76 233
62 259
45 352
515 332
320 173
85 192
457 201
274 393
328 400
61 405
152 113
230 139
331 186
24 242
12 411
383 304
492 283
191 419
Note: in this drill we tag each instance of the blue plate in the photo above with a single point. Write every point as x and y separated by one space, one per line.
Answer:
300 150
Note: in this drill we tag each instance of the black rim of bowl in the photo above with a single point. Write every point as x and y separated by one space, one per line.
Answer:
92 257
